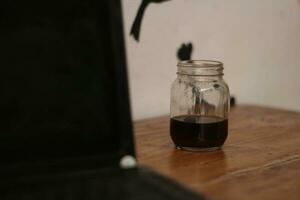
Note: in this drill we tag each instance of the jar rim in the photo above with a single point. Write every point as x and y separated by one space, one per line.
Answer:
203 64
200 68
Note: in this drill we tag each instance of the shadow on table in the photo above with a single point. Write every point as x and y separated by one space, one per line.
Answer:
197 167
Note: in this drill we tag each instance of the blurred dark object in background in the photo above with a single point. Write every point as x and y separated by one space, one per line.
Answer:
232 101
185 51
136 26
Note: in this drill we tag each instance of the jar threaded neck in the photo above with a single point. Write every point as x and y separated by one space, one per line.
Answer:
200 68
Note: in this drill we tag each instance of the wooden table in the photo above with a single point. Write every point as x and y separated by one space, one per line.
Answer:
260 159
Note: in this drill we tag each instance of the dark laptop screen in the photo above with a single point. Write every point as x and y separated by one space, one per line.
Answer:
61 70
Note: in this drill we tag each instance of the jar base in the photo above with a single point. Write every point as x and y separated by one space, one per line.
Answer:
198 149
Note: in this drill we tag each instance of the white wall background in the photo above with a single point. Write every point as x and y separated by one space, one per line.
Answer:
257 40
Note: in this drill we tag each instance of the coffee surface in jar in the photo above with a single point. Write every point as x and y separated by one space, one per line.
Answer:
198 131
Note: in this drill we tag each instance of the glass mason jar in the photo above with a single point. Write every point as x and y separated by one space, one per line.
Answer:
199 106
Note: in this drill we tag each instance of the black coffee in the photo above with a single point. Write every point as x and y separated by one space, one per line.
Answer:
198 131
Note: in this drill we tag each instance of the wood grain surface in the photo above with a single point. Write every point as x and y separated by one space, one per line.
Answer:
260 159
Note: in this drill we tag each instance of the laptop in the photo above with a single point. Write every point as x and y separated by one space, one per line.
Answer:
65 128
